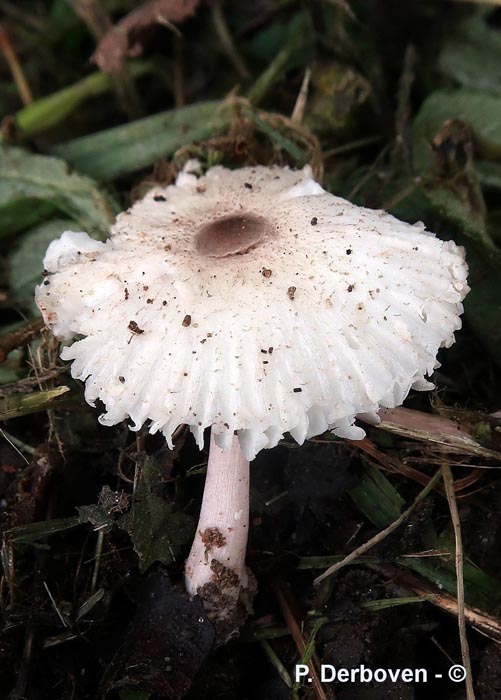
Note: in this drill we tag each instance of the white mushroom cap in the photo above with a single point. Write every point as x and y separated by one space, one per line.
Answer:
253 301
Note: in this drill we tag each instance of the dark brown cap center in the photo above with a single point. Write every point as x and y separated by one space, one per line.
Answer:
231 235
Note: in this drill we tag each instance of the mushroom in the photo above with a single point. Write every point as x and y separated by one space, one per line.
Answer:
255 303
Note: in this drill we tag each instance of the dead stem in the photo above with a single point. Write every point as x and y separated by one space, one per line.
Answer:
25 16
15 67
98 21
227 42
18 338
486 624
394 466
459 559
298 111
292 616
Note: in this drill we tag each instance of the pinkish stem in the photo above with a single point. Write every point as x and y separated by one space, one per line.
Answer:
215 569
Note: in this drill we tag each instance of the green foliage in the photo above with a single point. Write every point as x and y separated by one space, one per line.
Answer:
471 55
25 264
25 177
453 178
49 111
381 503
22 212
376 497
127 148
133 694
443 155
156 529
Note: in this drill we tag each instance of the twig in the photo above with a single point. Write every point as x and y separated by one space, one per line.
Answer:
359 551
14 442
370 172
21 336
343 5
23 672
227 42
15 67
393 465
465 652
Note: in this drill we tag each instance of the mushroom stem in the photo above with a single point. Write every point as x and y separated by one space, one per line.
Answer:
215 569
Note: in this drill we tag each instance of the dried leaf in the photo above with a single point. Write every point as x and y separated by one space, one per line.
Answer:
432 428
127 37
